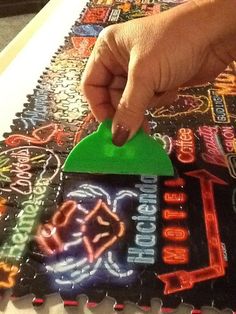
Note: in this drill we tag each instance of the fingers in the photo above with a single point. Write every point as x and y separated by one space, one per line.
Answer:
162 99
113 93
94 83
146 126
129 116
99 72
137 94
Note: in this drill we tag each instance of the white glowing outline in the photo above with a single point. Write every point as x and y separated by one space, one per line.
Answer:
96 266
82 209
72 243
153 124
78 234
159 136
110 260
90 273
79 193
45 167
115 274
63 282
81 278
87 190
63 266
126 192
80 221
83 273
92 191
114 269
121 194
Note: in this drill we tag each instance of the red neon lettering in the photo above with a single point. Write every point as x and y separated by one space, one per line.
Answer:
171 214
185 145
175 198
228 134
174 255
182 280
178 182
214 159
186 157
175 233
213 154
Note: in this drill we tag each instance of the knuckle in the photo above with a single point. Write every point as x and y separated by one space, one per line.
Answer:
139 68
104 41
107 33
127 111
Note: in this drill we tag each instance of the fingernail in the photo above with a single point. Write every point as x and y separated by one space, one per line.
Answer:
120 135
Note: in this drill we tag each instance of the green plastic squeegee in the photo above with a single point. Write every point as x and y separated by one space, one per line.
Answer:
97 154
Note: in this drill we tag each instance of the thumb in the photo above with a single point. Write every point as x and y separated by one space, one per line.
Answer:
130 112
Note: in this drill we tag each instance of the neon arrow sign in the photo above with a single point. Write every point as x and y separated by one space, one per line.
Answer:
182 280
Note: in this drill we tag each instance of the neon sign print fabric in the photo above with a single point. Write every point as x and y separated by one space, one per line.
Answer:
130 237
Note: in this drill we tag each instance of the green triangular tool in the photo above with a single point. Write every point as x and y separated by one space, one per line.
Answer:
97 154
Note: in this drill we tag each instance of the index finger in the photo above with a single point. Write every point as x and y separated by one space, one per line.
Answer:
99 73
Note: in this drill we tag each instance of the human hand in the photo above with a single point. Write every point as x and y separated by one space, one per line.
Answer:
141 64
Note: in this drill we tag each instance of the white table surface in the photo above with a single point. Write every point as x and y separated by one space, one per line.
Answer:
21 75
